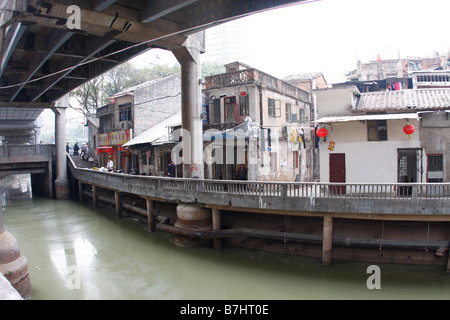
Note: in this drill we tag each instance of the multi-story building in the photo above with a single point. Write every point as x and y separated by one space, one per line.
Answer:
130 113
274 119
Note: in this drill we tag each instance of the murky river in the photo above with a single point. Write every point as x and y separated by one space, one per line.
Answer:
77 252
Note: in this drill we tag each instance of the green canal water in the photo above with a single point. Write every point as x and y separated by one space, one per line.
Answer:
77 252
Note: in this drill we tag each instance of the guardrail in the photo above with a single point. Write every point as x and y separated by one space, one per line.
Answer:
27 151
282 197
313 189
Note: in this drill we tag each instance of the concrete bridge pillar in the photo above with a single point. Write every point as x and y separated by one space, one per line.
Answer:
192 217
62 187
13 265
191 104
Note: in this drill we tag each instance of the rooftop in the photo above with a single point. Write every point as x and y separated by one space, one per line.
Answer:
403 100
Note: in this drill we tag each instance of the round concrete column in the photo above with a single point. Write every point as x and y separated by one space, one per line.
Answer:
191 105
13 265
62 188
193 218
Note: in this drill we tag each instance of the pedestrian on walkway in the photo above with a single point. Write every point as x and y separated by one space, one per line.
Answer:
170 171
242 173
75 149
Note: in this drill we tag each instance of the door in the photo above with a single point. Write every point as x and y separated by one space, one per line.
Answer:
337 172
409 168
230 110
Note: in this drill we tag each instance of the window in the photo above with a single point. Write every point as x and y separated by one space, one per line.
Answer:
377 130
125 112
288 112
230 109
106 124
243 105
303 117
435 168
274 108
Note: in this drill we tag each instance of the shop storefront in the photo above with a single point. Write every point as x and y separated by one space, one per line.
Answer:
110 147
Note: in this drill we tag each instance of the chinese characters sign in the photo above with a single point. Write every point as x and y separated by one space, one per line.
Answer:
115 138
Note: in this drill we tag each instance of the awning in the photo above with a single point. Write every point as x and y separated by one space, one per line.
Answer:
106 149
363 117
158 132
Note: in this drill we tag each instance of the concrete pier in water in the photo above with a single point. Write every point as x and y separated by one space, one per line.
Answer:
13 266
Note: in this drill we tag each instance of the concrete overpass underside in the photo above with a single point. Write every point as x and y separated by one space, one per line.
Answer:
48 48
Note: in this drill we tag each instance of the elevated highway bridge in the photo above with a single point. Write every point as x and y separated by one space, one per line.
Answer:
48 48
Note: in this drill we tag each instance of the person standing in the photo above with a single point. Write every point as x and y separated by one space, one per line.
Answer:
170 171
83 150
242 173
110 164
75 149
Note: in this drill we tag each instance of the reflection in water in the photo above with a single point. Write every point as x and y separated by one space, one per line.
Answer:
76 252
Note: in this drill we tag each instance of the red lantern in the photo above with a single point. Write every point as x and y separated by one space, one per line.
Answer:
408 129
322 132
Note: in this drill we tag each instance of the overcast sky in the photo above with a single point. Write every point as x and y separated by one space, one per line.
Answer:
329 36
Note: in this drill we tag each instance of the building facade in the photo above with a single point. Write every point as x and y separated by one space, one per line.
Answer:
130 113
368 138
273 118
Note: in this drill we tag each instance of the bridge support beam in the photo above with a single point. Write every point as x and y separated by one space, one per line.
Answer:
191 104
327 239
216 225
150 215
118 203
13 265
62 186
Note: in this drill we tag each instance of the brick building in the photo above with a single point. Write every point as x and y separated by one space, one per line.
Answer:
130 113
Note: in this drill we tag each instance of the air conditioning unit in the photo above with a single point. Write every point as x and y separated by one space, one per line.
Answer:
124 125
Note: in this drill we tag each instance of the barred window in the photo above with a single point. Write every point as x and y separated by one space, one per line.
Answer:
243 105
377 130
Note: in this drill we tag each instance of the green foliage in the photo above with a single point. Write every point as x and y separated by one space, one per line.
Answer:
96 92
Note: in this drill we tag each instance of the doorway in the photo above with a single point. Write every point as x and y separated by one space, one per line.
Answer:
337 172
409 168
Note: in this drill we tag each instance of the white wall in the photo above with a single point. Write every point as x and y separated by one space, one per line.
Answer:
367 161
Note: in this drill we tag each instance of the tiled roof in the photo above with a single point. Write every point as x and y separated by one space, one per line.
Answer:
401 100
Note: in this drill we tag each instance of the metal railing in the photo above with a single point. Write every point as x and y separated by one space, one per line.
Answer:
311 189
360 198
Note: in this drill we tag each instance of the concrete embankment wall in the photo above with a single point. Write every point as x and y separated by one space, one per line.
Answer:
277 217
7 292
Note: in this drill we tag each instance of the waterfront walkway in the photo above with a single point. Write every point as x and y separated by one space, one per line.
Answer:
413 201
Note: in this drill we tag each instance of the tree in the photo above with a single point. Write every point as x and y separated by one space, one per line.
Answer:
90 95
95 93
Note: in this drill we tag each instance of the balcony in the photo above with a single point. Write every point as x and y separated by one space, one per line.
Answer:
255 76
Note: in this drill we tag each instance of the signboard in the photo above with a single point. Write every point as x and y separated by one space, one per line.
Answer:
115 138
